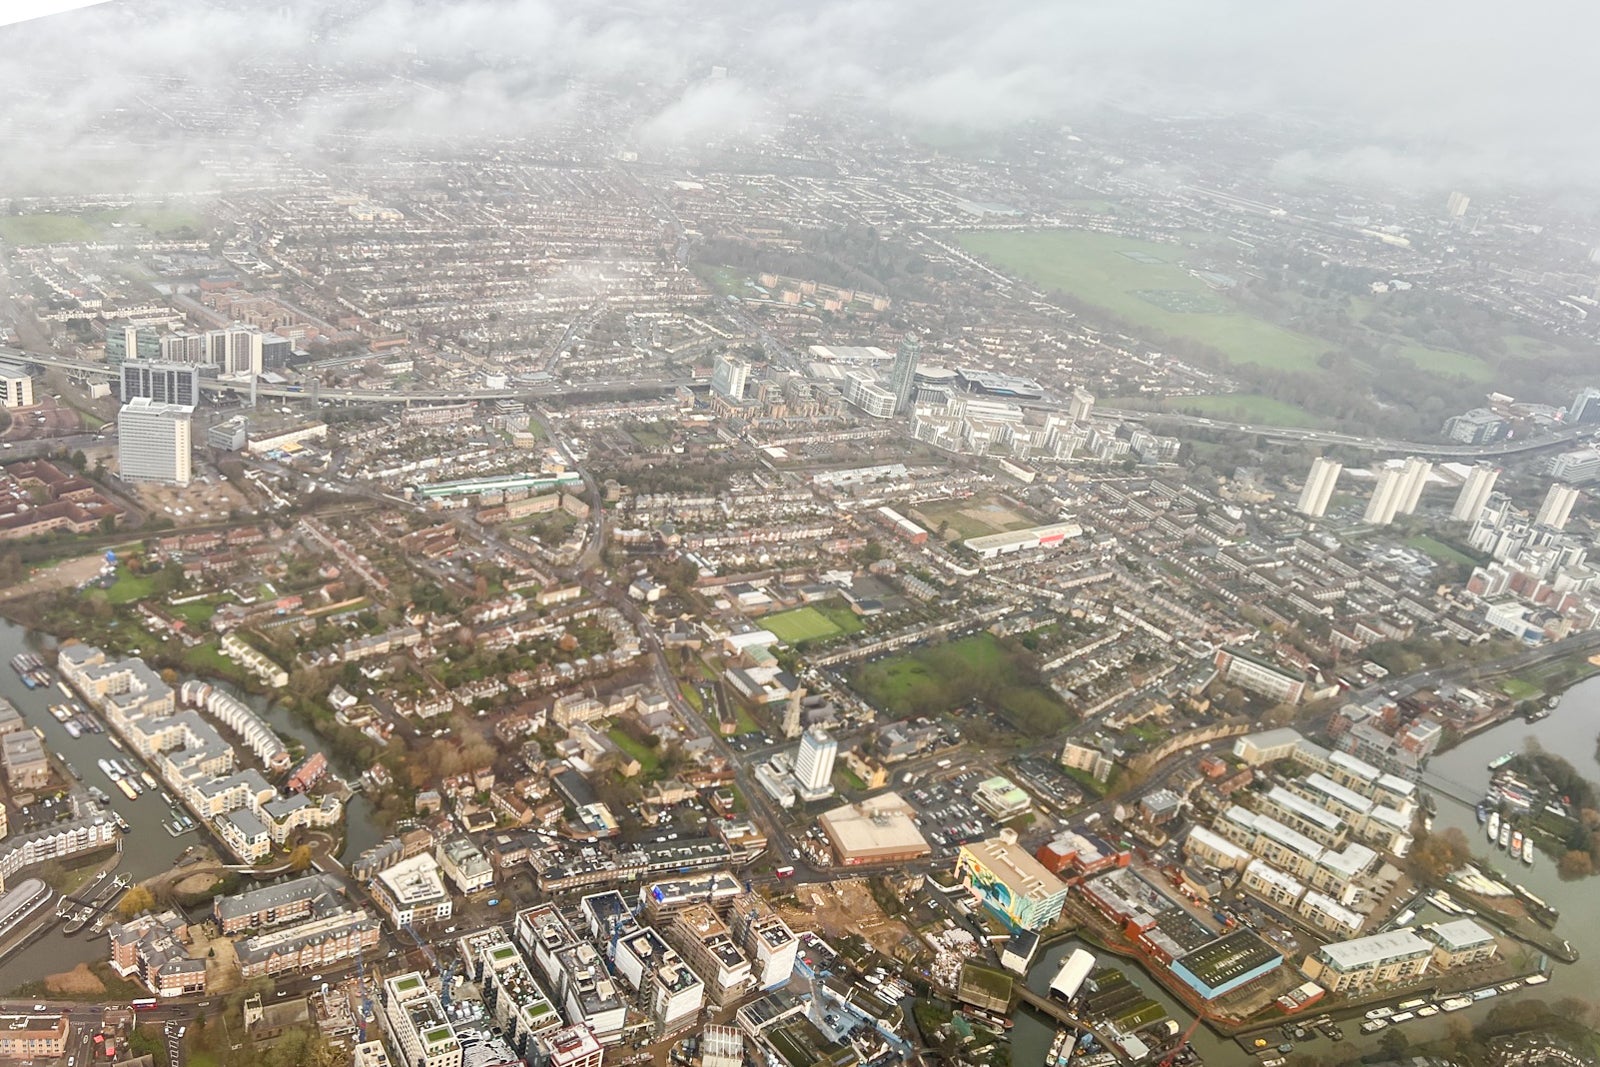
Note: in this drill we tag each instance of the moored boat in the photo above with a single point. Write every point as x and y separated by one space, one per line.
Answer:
1493 828
1505 834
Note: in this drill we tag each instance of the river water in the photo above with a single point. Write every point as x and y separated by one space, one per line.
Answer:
1569 731
147 849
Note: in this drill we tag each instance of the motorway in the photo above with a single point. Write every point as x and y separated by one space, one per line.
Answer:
605 387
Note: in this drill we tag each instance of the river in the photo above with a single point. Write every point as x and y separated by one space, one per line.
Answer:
148 849
1570 731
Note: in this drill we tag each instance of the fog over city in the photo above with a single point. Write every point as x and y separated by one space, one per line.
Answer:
1416 95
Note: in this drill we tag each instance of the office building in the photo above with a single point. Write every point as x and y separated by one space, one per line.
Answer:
1456 203
153 442
411 891
1319 487
571 1046
1010 882
1585 406
1579 465
1480 426
863 390
1475 493
16 386
417 1024
1557 506
1415 474
729 377
903 373
162 382
813 764
1386 497
229 435
131 342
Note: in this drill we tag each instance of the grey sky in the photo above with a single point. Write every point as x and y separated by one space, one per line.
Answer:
1426 93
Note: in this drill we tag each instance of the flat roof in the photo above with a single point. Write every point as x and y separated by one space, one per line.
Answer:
1374 949
879 825
1219 962
1016 867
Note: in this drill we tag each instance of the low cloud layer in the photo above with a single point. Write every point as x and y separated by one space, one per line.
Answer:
1428 93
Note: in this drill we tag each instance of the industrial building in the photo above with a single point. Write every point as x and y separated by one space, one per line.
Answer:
1230 962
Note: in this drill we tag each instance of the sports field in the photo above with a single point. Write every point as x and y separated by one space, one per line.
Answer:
974 517
47 228
1146 284
812 623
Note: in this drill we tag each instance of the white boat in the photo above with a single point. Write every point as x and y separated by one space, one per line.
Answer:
1493 827
1455 1003
1505 834
110 771
1527 850
1536 979
149 780
1372 1026
1402 1017
72 729
1380 1013
1427 1011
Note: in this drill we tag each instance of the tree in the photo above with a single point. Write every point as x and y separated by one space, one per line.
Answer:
135 900
1443 852
1393 1043
1574 865
300 858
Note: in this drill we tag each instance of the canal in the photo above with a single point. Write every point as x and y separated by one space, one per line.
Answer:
148 849
1570 731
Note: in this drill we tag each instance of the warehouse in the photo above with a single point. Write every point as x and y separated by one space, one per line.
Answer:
878 830
1221 966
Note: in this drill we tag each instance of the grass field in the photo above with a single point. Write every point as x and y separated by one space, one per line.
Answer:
649 758
130 587
1520 689
1443 361
1140 281
47 228
812 623
1249 408
1440 551
977 669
